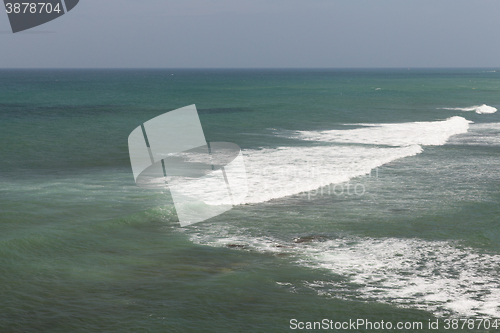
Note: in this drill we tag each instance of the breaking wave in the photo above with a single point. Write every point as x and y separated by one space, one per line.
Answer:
479 109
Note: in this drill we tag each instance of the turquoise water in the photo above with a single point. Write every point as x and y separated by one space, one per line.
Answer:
409 232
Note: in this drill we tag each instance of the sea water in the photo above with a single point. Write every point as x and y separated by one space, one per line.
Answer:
372 194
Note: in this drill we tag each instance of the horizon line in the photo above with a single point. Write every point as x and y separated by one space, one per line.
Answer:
235 68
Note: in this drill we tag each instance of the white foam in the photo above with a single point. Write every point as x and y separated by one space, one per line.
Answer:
274 173
280 172
409 273
432 276
433 133
479 109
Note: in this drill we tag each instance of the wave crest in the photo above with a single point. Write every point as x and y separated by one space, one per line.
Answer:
479 109
432 133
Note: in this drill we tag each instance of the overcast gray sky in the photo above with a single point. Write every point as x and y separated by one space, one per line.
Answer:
261 33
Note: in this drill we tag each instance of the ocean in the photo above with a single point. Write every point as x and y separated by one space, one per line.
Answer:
373 195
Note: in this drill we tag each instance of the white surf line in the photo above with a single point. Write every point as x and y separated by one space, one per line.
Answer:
435 276
479 109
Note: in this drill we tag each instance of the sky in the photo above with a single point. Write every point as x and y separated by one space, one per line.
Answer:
260 34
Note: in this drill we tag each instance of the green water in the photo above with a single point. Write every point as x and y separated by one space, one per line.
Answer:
83 249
